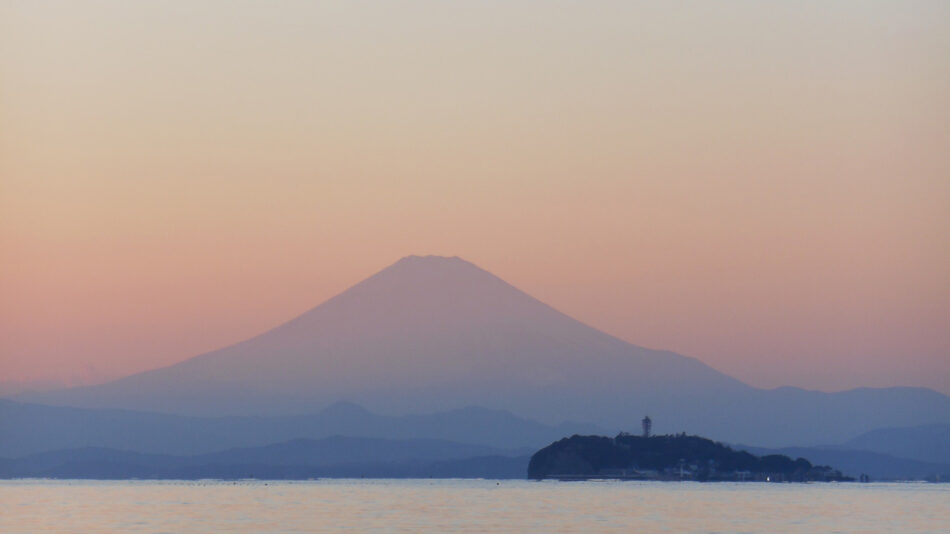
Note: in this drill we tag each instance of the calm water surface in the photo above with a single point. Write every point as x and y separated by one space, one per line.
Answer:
469 506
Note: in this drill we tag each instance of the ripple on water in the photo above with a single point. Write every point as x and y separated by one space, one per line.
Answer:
468 506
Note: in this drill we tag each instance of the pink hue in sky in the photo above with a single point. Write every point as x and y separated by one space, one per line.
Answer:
761 186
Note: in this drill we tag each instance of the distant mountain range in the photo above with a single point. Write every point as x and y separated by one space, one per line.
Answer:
929 443
29 429
339 456
472 442
296 459
437 334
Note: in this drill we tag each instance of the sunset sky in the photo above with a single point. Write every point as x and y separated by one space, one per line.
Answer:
760 185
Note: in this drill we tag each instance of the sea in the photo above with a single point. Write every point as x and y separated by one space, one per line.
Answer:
444 506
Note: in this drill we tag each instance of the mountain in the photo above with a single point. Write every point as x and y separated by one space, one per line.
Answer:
434 333
928 443
297 459
425 332
30 428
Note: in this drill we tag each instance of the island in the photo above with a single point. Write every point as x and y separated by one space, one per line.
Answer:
668 457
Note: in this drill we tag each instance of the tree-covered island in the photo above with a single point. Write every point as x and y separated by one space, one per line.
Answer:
669 457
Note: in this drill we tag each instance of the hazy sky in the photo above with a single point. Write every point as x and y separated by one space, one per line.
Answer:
762 185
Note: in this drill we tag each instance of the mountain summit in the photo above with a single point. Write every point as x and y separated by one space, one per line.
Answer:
433 333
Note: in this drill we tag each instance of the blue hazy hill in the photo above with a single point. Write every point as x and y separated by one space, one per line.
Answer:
31 428
928 443
296 459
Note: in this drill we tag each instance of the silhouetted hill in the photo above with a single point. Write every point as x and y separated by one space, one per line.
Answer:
31 428
667 458
431 332
337 450
297 459
928 443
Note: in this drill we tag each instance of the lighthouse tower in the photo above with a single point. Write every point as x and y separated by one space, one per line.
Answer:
647 426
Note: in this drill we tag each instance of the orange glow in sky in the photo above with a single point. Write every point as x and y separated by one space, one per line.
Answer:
763 186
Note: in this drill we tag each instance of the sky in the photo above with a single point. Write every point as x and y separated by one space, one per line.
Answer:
764 186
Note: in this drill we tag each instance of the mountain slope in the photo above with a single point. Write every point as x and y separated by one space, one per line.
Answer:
432 333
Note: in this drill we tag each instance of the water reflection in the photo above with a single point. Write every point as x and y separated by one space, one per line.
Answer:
469 506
